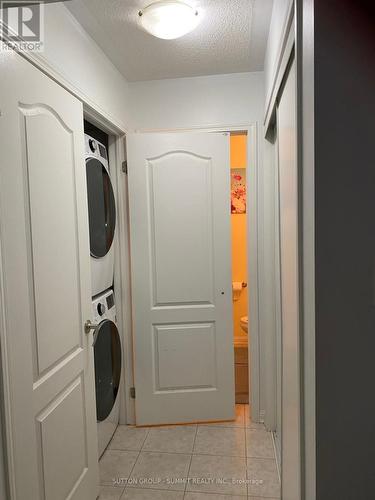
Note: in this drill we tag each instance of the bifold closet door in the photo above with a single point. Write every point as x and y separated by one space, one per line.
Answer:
47 290
288 182
179 196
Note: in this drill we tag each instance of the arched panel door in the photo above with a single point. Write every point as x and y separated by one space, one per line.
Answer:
179 204
43 209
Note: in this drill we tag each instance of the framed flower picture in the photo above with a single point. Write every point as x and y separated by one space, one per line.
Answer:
238 190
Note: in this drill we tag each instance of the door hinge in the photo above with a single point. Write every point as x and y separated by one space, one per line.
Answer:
125 167
132 392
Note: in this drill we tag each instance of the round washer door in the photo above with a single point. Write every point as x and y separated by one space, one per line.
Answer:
102 208
107 357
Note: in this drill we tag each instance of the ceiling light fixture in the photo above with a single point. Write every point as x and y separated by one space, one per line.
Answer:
169 19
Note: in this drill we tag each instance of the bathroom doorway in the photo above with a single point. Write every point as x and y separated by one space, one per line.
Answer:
238 170
213 279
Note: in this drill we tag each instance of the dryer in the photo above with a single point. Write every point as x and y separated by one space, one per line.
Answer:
102 215
108 361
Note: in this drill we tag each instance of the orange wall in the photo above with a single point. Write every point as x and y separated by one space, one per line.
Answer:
239 248
238 151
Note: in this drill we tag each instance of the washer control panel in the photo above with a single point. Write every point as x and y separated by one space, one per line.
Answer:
103 307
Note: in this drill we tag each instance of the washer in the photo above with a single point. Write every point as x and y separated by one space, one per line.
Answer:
102 215
108 360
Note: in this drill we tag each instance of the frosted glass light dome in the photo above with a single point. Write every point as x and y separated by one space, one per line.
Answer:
169 19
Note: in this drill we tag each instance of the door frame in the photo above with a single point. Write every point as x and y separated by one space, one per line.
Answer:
254 229
122 281
5 398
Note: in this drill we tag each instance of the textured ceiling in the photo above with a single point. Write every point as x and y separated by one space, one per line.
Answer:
231 38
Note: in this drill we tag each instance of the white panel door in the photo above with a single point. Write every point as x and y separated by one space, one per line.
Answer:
45 249
179 195
288 181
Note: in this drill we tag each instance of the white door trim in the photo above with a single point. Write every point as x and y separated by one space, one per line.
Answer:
254 229
122 288
306 160
5 389
286 44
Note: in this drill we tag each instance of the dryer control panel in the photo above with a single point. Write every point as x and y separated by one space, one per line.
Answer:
95 148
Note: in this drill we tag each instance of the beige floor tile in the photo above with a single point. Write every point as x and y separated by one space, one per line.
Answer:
248 421
238 422
110 493
263 478
160 471
128 438
176 439
228 441
259 444
211 496
262 498
115 466
217 474
148 494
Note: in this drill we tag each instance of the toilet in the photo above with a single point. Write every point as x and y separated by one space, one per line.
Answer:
244 323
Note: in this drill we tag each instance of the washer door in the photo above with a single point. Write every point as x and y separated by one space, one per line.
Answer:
102 208
107 356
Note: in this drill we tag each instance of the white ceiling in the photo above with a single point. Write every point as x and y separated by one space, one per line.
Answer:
231 38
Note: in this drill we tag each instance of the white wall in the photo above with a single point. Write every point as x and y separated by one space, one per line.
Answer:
207 101
74 55
278 20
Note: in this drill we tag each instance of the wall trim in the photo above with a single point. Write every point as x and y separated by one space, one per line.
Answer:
198 128
283 56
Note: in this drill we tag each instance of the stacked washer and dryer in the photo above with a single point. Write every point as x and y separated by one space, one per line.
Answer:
107 341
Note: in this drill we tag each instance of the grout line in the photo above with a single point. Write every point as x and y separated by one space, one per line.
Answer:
135 463
146 436
154 488
275 454
211 494
122 488
201 453
191 459
214 494
222 426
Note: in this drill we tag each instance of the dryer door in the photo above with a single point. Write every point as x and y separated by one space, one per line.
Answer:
107 355
102 208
